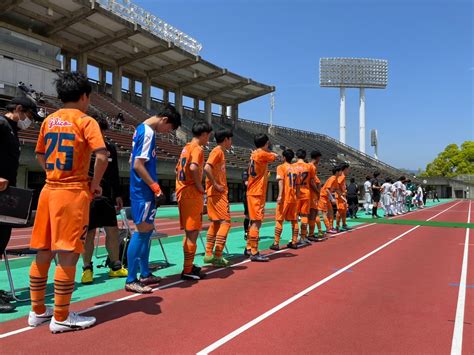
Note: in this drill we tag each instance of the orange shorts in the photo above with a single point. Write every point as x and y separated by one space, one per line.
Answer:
303 206
190 213
218 208
324 205
256 205
61 220
341 205
286 212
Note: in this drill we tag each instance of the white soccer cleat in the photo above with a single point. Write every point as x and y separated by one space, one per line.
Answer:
35 320
73 322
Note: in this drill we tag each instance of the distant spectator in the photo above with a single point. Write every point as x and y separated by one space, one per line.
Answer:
353 198
119 120
42 114
113 121
435 196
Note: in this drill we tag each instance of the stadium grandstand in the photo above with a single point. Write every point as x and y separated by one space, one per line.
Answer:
41 37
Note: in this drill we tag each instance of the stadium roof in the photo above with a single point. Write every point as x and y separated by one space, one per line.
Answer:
112 34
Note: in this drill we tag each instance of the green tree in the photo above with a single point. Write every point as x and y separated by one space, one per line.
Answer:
453 161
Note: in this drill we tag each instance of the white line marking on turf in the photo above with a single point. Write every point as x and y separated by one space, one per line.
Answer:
456 345
21 330
282 305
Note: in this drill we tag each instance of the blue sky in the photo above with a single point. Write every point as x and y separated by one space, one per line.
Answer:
428 102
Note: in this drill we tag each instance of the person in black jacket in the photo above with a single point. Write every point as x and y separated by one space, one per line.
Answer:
21 111
353 198
103 214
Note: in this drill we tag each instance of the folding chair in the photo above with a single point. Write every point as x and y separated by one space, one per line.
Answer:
126 214
97 241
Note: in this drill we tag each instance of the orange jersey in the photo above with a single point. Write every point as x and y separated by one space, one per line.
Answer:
192 153
258 172
67 139
341 180
306 173
217 161
288 174
330 184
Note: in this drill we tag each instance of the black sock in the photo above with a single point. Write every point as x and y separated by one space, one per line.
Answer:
374 211
246 225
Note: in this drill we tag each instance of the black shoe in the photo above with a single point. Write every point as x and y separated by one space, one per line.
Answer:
247 252
194 275
290 245
275 247
4 295
6 307
312 238
259 257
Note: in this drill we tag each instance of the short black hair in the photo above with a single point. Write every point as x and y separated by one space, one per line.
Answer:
315 154
288 154
353 180
336 169
103 123
387 179
402 178
70 86
301 153
260 140
201 127
368 177
344 166
376 173
222 133
173 116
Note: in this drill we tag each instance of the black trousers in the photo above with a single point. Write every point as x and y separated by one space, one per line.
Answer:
353 203
5 234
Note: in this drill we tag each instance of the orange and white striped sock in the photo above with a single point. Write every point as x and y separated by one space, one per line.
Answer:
221 238
63 288
38 280
278 231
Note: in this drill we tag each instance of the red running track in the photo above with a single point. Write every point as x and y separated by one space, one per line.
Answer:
370 300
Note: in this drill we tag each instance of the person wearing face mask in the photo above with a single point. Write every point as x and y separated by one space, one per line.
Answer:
21 110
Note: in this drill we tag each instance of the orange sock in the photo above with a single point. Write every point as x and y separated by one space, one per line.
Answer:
304 227
211 238
253 240
312 225
344 217
189 249
326 222
63 288
318 223
221 238
295 231
38 280
278 231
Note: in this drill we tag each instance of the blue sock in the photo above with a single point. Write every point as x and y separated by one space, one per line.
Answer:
145 254
133 253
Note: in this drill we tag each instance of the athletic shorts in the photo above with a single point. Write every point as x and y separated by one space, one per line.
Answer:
102 213
303 206
190 213
324 205
256 206
143 211
376 198
218 208
286 212
341 204
61 220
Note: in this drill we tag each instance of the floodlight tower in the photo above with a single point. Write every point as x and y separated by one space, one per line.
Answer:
358 73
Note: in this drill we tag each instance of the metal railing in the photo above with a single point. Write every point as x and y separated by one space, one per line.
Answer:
139 16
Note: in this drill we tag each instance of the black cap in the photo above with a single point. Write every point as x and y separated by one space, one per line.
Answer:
28 104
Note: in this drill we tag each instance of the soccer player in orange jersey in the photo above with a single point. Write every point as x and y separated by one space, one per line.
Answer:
326 198
342 199
190 195
286 210
306 173
217 200
256 192
66 141
314 218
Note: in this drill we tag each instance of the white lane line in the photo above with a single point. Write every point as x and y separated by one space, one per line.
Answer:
456 345
21 330
282 305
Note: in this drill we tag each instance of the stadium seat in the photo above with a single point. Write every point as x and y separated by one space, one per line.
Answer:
126 214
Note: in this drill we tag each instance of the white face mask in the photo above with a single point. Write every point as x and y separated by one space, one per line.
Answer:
24 124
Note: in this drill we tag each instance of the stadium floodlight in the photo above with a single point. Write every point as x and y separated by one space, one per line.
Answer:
358 73
374 142
139 16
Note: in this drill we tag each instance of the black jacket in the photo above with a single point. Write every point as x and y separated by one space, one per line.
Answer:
9 150
110 181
